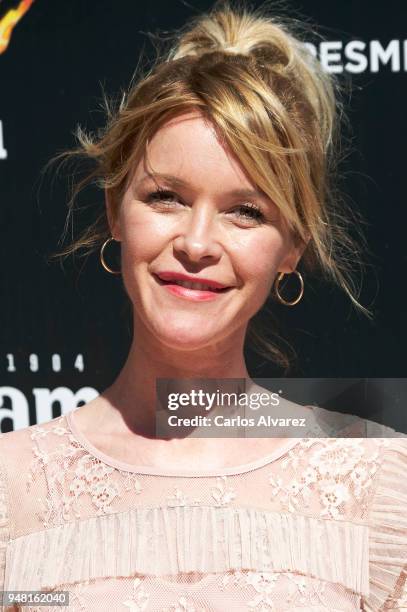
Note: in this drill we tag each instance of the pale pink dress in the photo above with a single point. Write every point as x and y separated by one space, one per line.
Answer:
319 525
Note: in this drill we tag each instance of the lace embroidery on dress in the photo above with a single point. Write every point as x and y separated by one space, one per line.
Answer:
321 489
337 472
140 599
183 605
297 590
221 494
73 474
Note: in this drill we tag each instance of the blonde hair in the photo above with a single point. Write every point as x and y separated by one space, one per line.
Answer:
273 104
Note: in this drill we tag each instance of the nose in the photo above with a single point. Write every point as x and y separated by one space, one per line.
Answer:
197 239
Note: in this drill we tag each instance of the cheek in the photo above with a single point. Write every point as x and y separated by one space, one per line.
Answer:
143 234
259 255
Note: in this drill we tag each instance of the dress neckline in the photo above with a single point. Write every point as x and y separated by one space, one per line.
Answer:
161 471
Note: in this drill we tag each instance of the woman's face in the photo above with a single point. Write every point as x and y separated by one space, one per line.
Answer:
190 212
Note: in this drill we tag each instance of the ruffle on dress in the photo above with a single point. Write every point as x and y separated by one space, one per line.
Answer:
167 541
388 533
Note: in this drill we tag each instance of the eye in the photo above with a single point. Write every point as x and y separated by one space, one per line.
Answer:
246 213
249 212
163 197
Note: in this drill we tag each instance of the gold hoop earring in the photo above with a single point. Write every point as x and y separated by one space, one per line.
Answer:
102 257
277 289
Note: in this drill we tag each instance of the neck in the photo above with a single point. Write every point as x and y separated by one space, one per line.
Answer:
133 394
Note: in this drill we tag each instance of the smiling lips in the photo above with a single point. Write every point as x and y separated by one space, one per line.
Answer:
190 287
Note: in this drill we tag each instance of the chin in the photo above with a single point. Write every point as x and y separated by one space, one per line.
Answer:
184 337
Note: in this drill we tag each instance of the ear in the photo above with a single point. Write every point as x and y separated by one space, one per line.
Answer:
112 215
290 262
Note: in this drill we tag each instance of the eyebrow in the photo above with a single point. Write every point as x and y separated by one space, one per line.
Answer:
178 182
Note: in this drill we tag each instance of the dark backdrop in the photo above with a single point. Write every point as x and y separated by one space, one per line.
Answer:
67 331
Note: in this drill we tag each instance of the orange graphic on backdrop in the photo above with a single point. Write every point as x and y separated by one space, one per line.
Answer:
10 20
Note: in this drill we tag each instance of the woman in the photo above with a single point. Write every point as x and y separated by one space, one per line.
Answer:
215 170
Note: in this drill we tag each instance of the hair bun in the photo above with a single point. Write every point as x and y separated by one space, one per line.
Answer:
236 33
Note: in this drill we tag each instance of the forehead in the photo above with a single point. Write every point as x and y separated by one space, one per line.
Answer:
189 147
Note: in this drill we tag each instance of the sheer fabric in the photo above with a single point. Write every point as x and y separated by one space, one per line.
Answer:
319 525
